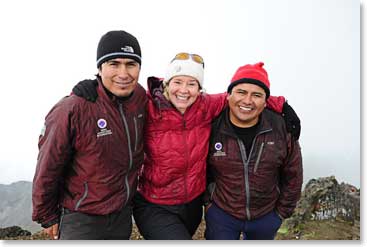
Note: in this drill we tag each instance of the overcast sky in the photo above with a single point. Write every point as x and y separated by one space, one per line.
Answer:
311 50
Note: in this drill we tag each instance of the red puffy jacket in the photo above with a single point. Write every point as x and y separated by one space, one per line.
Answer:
176 146
89 155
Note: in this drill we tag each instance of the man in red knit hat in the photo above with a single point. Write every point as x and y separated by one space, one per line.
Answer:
254 165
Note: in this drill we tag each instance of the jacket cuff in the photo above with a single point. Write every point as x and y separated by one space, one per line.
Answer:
50 223
280 216
208 195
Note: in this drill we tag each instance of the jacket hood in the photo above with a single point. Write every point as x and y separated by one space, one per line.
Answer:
155 92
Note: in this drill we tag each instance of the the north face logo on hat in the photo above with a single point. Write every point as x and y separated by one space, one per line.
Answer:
127 49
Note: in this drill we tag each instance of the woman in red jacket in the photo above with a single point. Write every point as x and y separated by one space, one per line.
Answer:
173 177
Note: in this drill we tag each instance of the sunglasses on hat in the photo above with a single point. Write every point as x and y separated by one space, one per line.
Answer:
185 56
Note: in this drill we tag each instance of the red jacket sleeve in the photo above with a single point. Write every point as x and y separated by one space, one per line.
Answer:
275 103
216 103
219 101
55 148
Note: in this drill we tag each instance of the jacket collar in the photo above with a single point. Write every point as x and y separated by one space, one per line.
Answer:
155 92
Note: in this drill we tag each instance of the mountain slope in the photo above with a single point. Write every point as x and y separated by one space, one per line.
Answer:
16 206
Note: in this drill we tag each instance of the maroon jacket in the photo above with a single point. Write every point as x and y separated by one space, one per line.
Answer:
89 155
248 186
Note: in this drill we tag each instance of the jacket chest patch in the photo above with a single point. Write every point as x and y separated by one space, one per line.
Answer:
218 146
102 125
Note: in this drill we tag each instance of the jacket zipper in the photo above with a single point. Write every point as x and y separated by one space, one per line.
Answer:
247 187
130 153
246 162
186 158
258 157
83 197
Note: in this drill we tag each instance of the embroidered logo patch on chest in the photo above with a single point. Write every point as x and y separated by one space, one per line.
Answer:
219 146
102 124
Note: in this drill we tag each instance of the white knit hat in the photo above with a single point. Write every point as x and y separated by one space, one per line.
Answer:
185 67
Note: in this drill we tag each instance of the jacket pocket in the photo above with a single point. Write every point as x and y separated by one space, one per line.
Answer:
258 157
138 127
136 133
85 194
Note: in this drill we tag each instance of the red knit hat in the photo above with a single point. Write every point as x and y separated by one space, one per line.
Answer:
254 74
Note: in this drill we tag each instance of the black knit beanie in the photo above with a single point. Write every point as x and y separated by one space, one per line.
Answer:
118 44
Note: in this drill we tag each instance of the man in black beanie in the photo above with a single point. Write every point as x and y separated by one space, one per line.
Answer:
90 153
116 44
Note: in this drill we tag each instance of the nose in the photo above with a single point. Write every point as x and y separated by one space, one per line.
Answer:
122 72
247 99
184 88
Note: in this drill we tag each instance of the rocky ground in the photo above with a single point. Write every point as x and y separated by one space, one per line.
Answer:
331 229
326 210
312 230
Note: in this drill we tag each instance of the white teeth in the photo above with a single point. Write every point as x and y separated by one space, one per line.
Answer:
123 82
181 97
245 108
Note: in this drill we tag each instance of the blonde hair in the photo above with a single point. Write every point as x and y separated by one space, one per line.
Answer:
165 90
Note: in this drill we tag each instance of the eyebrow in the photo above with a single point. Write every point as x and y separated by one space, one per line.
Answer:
182 80
121 62
113 61
242 90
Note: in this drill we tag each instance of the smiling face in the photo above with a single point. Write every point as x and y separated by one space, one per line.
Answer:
183 91
120 75
246 102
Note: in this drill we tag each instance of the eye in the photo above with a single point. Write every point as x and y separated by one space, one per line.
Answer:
113 63
192 84
257 95
176 82
132 64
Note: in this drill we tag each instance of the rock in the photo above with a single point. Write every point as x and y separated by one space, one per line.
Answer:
12 232
326 199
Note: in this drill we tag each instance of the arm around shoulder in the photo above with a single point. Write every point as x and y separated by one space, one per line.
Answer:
216 103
